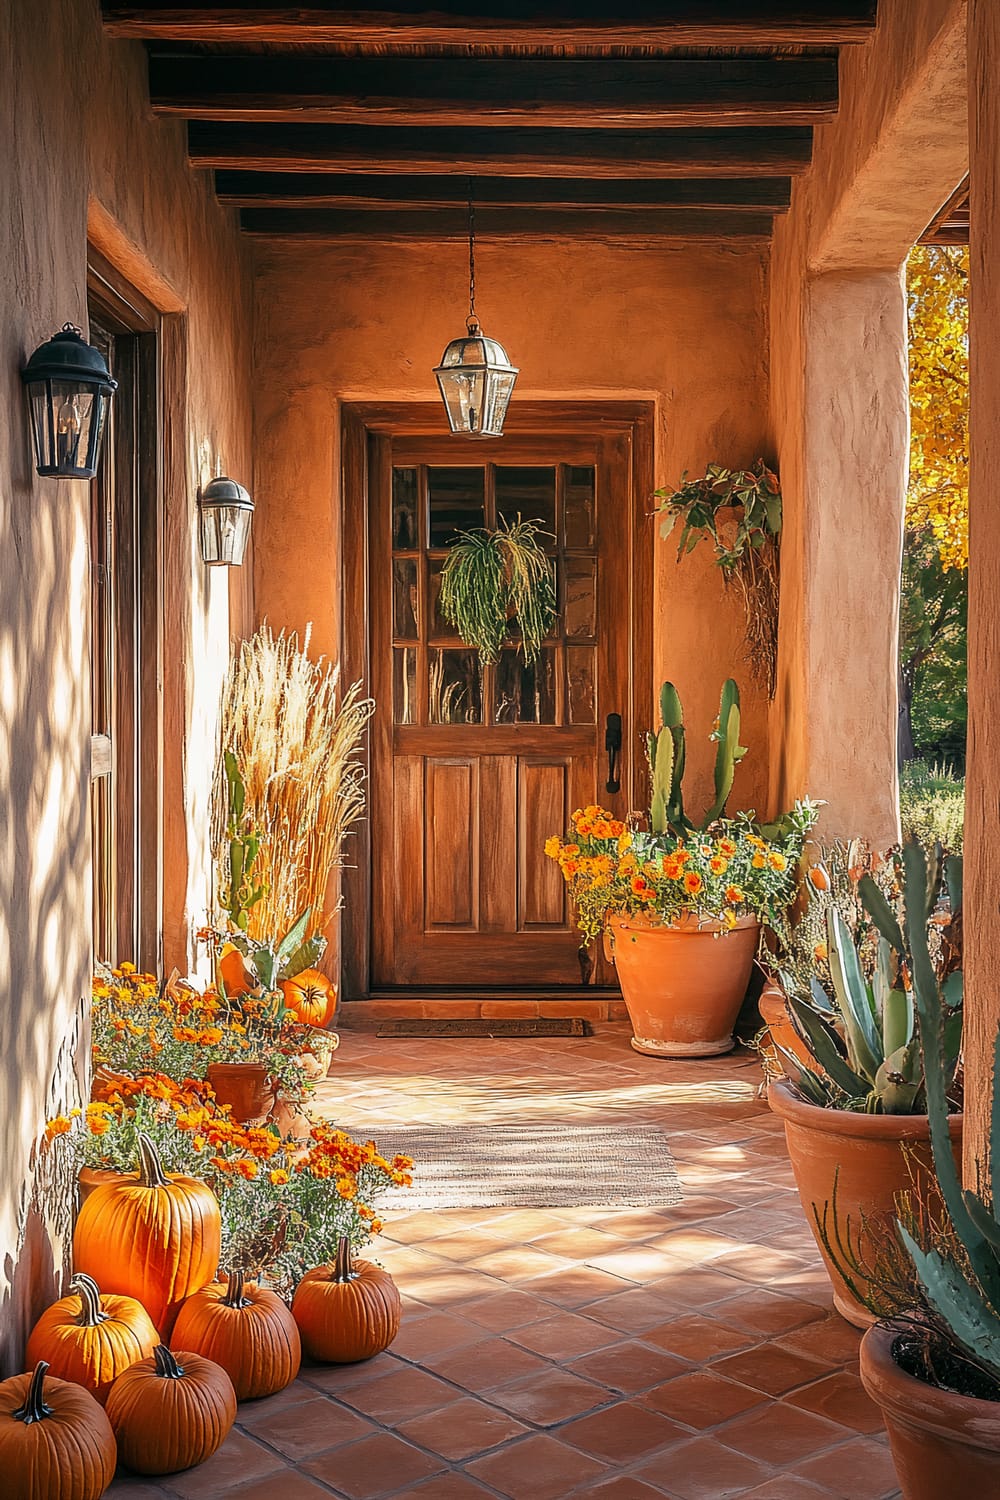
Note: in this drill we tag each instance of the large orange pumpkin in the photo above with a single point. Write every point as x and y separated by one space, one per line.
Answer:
311 996
247 1330
91 1339
154 1236
346 1311
55 1441
171 1411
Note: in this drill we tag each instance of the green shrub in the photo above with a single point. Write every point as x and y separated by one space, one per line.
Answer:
932 805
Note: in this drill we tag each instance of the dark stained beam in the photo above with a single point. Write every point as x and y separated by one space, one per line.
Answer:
509 153
537 23
623 94
346 191
437 225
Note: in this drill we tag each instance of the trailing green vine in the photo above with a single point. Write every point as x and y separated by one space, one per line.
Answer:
492 579
747 503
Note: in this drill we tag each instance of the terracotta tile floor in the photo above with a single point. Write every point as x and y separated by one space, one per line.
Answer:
690 1352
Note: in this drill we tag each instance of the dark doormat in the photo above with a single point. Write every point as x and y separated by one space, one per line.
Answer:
477 1026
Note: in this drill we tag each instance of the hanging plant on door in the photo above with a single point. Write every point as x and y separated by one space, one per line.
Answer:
495 579
739 511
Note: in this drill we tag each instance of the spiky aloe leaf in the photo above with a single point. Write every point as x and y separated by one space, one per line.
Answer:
899 1080
930 1013
880 912
864 1042
663 776
971 1321
671 712
897 1021
293 937
983 1219
809 1084
305 956
822 1042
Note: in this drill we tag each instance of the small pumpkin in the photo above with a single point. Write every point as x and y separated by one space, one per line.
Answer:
311 996
246 1329
55 1441
346 1311
91 1339
233 972
171 1411
151 1235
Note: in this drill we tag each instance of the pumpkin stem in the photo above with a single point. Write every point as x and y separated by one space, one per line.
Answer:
343 1269
166 1365
234 1292
34 1408
151 1173
91 1311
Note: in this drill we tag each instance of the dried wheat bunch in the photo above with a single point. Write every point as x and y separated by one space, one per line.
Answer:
295 738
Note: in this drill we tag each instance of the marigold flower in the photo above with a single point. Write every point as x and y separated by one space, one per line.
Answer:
777 861
693 882
758 861
729 920
727 847
59 1125
247 1167
98 1124
553 846
735 895
718 865
821 952
278 1176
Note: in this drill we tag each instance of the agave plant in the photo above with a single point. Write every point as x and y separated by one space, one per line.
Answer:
864 1039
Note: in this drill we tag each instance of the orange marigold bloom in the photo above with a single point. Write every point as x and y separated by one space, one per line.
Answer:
60 1125
98 1124
727 847
758 861
693 882
777 861
718 865
347 1188
734 894
247 1167
820 952
673 868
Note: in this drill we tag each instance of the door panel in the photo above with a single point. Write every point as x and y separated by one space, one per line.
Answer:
480 764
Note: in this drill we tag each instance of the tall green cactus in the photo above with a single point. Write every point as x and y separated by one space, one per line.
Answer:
666 750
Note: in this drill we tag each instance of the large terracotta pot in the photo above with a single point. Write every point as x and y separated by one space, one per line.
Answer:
244 1087
942 1443
865 1159
683 985
777 1017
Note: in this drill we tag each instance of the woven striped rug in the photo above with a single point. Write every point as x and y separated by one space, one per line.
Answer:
530 1166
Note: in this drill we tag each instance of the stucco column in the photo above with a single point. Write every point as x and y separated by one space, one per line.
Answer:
844 467
982 809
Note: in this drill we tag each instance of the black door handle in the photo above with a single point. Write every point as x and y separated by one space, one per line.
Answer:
613 745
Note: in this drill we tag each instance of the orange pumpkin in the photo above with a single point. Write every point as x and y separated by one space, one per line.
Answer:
311 996
247 1330
171 1411
346 1311
154 1236
234 973
91 1339
55 1441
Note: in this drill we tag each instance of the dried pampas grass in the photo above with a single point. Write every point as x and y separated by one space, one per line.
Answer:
295 738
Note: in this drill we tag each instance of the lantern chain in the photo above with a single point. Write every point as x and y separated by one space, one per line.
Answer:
472 256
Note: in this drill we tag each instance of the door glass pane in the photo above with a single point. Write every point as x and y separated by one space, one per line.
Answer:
404 598
439 626
580 598
458 502
525 694
581 693
579 505
455 687
405 531
404 685
528 493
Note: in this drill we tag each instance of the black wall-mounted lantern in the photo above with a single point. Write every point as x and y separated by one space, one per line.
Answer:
69 388
225 510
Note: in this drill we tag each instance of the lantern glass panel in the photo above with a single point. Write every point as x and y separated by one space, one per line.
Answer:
67 425
224 533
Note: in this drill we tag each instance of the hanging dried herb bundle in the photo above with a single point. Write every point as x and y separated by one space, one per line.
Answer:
739 511
492 579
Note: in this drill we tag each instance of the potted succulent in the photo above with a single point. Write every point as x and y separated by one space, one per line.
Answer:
682 904
493 579
854 1095
933 1366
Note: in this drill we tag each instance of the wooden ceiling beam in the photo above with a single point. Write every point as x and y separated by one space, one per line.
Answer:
510 153
537 23
439 225
309 190
620 94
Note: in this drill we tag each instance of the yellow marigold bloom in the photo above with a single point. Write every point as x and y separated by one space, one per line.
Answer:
126 968
718 865
624 840
585 827
602 829
758 861
592 811
777 861
98 1124
347 1188
729 919
734 895
247 1167
278 1176
727 847
553 846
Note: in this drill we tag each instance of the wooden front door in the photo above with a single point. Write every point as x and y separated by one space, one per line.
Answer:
474 766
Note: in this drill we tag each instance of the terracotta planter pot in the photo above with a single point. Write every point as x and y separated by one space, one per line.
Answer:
243 1086
292 1123
777 1017
89 1178
683 985
868 1159
942 1443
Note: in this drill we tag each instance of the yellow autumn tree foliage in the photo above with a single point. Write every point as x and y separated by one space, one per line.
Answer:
937 281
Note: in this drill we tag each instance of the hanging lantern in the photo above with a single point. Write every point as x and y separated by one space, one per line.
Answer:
224 509
69 388
475 377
